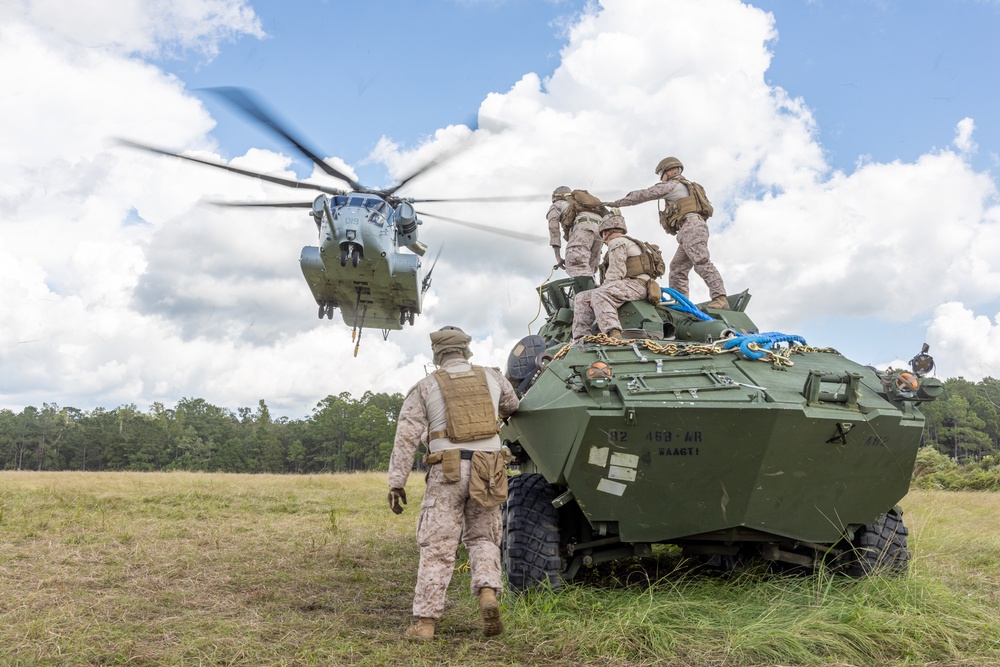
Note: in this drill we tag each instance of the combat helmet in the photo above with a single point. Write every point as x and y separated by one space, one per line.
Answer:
560 192
613 221
449 340
668 163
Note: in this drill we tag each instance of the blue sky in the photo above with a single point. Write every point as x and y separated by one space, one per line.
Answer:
399 69
850 148
885 79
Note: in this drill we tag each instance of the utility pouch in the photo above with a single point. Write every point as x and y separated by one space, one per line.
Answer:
668 220
488 482
653 294
451 464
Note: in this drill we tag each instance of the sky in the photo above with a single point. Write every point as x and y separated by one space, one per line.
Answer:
850 149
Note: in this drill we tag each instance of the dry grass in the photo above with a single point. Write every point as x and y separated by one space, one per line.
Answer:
179 568
956 540
211 569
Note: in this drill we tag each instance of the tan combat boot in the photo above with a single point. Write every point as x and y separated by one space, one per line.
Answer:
615 333
720 303
422 629
489 611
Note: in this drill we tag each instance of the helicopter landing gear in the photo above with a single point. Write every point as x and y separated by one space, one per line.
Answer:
406 315
326 309
353 251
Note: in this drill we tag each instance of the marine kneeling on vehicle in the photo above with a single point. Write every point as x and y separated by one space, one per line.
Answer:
628 273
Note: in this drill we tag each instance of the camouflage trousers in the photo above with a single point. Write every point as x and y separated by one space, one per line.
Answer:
448 515
692 252
583 249
601 303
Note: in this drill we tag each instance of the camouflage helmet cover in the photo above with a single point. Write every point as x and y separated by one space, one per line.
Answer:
448 340
560 192
668 163
613 221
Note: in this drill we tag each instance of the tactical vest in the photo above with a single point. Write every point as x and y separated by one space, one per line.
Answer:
580 201
468 405
637 265
695 202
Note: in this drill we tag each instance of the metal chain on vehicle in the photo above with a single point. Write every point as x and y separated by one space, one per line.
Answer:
778 357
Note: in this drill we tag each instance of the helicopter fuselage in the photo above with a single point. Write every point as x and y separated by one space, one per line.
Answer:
359 265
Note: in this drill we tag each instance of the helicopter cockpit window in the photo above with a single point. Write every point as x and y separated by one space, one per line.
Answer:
379 213
357 201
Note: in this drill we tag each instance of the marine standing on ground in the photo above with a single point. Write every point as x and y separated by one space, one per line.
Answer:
624 277
454 411
583 244
684 217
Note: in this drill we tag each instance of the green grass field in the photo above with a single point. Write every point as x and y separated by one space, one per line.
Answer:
202 569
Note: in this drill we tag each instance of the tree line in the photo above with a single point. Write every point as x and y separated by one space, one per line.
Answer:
343 434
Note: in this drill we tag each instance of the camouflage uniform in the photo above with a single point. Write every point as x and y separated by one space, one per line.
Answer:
447 514
602 302
692 239
583 248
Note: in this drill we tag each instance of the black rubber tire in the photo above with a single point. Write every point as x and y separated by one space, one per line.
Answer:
355 256
530 549
879 547
343 256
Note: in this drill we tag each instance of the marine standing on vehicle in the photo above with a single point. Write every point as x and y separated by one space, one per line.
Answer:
686 210
578 225
454 411
629 266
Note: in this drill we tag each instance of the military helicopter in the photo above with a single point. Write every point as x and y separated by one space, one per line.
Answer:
359 264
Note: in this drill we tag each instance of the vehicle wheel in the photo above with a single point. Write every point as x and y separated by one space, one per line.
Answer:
530 549
355 256
878 547
343 256
409 317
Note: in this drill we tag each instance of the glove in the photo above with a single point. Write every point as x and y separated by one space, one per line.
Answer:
395 496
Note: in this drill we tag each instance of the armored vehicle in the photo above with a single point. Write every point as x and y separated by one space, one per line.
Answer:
699 430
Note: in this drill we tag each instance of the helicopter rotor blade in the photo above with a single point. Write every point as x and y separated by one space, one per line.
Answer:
261 204
447 154
520 236
244 101
512 198
437 161
287 182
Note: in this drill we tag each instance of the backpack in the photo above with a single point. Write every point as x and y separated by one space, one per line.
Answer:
649 262
657 267
580 201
